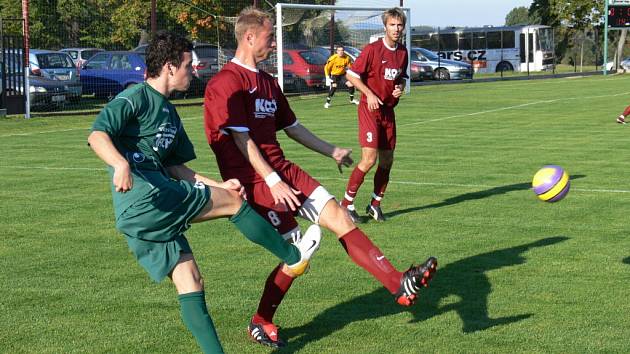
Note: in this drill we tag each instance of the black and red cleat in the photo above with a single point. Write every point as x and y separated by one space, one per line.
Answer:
413 280
265 334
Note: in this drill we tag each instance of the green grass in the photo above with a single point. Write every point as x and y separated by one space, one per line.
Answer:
516 274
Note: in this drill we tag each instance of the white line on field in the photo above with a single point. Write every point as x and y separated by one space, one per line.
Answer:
439 184
86 129
513 107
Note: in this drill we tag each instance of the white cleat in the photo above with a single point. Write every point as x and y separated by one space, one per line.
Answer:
355 101
308 245
326 105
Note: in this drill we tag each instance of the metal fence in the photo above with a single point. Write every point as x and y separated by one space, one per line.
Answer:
113 35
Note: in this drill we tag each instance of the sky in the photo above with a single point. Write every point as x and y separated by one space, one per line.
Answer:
449 12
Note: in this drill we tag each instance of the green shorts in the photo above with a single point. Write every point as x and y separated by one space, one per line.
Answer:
155 224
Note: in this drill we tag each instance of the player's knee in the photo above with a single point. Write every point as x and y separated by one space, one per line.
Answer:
368 160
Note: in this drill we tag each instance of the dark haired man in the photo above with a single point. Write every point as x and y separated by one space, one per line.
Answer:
156 196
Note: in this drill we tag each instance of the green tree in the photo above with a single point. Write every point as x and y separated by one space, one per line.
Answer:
518 16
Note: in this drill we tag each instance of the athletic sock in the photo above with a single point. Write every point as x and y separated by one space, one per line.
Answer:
366 255
351 91
626 112
381 179
196 318
277 284
260 232
354 183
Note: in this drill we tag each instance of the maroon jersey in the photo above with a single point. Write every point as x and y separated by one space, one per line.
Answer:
241 98
381 68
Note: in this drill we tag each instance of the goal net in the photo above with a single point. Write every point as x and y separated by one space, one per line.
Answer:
306 36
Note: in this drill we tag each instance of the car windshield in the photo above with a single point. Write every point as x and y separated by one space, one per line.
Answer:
427 53
352 51
54 61
206 51
87 54
73 53
312 57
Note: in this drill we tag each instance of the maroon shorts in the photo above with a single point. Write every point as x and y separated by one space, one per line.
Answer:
312 199
377 129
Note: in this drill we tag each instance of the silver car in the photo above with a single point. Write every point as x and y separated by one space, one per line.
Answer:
443 69
56 66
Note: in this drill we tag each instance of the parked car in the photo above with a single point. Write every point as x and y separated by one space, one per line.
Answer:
308 67
420 71
81 55
108 73
205 63
45 92
443 69
57 66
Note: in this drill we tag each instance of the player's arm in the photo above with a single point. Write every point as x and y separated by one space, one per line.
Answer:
305 137
372 100
101 143
183 172
282 193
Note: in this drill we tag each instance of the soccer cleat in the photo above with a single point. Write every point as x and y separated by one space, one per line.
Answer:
354 216
621 120
307 245
265 334
413 280
355 101
375 212
326 105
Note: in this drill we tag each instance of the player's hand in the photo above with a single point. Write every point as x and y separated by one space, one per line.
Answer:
342 157
233 185
123 181
373 102
285 196
397 91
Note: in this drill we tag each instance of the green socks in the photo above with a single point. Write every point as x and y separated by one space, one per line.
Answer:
259 231
196 318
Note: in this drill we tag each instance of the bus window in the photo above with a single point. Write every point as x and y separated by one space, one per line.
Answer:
448 41
479 40
465 41
508 39
494 40
428 41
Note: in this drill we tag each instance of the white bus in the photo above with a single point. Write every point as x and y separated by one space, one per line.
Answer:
492 49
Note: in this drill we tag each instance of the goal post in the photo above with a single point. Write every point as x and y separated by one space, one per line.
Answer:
305 34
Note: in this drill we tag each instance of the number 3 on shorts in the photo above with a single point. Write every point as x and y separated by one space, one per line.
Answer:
273 218
368 137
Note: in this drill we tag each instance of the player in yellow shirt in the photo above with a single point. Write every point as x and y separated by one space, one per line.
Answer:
335 71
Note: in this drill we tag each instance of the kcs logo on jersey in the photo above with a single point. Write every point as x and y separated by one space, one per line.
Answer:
265 108
391 74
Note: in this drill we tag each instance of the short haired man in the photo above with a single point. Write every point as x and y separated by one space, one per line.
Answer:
335 71
156 196
379 73
243 109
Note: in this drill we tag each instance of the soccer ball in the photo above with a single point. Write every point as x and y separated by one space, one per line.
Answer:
551 183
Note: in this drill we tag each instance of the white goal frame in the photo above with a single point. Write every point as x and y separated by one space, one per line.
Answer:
279 44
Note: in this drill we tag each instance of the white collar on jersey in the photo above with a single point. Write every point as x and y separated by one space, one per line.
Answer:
239 63
388 47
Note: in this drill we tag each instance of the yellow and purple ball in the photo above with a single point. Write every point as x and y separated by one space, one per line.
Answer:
551 183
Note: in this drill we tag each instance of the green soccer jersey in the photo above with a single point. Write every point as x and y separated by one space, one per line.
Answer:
146 129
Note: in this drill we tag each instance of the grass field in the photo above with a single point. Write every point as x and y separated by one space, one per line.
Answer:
516 274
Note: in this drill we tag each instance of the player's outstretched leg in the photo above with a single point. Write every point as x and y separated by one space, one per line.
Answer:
369 257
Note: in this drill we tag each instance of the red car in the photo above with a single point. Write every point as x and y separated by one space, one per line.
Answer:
307 66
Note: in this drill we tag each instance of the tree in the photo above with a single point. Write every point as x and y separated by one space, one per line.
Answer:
518 16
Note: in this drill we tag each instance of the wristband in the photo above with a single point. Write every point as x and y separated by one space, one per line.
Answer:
272 179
